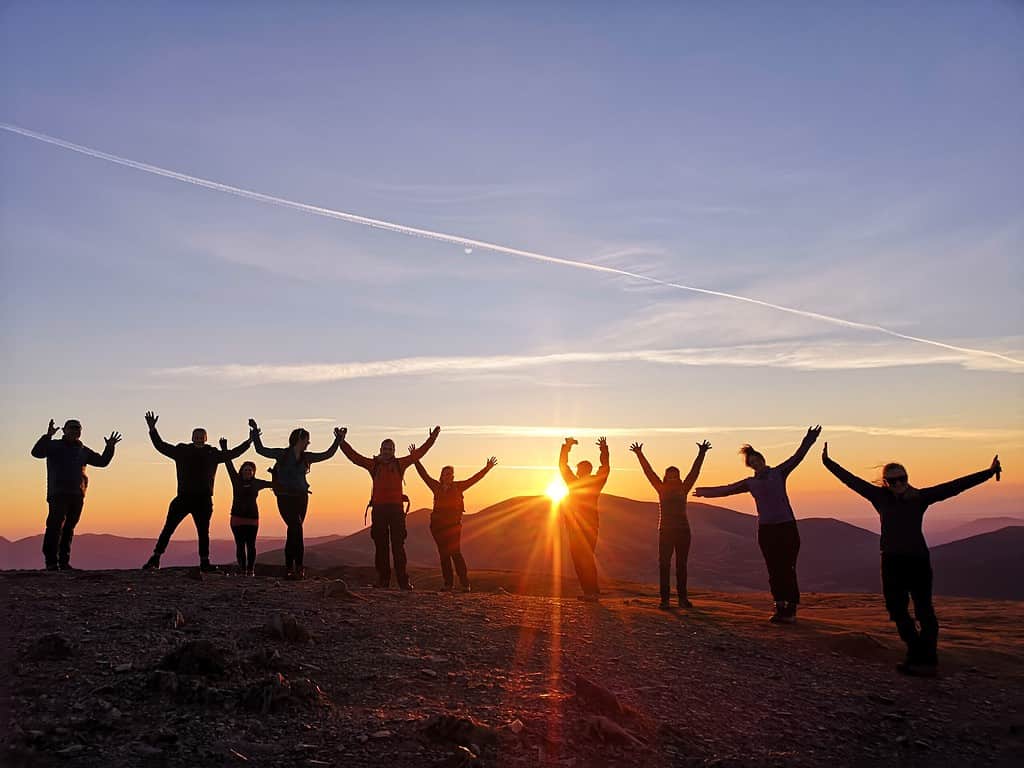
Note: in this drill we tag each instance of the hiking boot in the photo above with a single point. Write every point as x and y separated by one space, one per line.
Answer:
153 564
52 567
447 588
664 605
917 669
406 586
67 567
685 603
206 567
467 587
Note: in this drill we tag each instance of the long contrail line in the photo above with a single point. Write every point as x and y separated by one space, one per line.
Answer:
481 244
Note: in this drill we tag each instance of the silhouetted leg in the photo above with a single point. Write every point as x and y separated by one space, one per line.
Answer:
441 541
398 534
792 552
295 531
460 568
202 512
379 532
238 531
924 610
251 547
56 513
666 544
67 533
767 540
682 547
895 589
176 512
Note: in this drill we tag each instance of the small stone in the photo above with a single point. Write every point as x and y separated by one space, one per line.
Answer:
123 667
362 738
74 749
175 619
381 734
428 673
516 726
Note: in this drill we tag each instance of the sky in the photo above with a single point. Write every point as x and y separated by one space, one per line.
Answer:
859 162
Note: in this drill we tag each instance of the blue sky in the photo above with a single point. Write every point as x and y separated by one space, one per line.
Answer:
864 163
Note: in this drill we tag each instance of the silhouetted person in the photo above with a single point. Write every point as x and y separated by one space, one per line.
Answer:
777 534
906 564
673 525
195 464
292 489
387 524
579 513
245 512
446 517
66 483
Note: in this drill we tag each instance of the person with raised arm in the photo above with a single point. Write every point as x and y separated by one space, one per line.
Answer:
245 512
580 514
446 517
906 563
673 525
387 526
291 487
196 465
66 483
777 533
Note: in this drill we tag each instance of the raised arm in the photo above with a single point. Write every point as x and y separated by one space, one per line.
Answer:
352 454
314 457
805 445
953 487
717 491
702 448
237 451
42 446
469 482
606 467
850 480
420 452
165 448
103 459
563 461
257 443
430 482
645 465
226 458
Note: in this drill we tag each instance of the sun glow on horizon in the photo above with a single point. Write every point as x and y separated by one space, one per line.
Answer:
556 491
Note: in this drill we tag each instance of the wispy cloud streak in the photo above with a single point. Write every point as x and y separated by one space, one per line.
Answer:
809 357
484 245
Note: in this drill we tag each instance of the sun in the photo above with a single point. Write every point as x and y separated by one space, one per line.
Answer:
556 490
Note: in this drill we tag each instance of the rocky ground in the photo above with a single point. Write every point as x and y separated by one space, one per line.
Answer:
166 669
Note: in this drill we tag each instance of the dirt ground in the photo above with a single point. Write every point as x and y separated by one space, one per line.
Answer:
121 668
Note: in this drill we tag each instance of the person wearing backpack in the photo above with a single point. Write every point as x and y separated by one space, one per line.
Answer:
387 527
446 518
245 513
291 465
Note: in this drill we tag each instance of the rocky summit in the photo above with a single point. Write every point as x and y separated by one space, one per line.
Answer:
176 668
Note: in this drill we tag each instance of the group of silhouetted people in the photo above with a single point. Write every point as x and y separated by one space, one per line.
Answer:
905 564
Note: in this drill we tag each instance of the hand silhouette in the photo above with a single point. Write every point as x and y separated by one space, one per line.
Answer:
698 492
339 433
252 426
114 439
491 462
704 446
824 451
412 447
602 442
151 419
997 467
52 429
637 448
435 431
571 441
223 443
813 432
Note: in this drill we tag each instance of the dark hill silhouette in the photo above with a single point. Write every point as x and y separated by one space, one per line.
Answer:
973 528
835 556
988 565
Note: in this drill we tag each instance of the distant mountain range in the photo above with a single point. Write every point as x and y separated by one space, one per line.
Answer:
523 535
520 534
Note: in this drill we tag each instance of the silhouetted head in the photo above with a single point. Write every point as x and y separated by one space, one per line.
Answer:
671 475
198 436
387 449
447 475
584 469
247 471
753 459
299 438
894 477
72 430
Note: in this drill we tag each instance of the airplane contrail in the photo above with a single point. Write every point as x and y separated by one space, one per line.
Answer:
470 243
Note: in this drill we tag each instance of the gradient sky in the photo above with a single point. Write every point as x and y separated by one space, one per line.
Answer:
852 161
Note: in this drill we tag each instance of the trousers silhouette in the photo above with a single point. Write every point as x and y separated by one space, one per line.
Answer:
673 540
905 578
582 536
197 506
780 546
387 529
448 537
65 510
293 511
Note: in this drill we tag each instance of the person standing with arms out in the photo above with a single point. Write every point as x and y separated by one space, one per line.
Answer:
387 524
245 512
579 513
66 483
906 563
446 517
777 533
673 525
196 465
292 489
